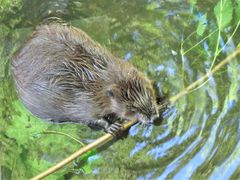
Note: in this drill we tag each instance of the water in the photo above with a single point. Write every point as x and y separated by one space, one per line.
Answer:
199 136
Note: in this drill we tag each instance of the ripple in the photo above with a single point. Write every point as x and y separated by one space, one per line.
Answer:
173 165
162 150
229 166
202 155
200 134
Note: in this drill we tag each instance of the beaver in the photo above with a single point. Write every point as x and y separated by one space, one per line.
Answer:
62 75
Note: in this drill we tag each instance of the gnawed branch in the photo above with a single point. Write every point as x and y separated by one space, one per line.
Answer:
108 137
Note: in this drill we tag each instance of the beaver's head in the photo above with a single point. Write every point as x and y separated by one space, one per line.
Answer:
133 97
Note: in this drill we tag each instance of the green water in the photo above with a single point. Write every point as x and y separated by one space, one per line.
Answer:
174 42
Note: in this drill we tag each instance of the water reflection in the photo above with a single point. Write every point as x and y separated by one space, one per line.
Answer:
199 136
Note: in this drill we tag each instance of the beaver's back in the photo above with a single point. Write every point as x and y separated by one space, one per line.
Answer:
54 67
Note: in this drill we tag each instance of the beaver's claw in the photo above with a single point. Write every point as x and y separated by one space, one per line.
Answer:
115 129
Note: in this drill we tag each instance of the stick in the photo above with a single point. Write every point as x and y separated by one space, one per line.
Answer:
102 140
107 137
205 77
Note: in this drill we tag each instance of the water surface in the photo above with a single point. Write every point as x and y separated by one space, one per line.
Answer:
174 43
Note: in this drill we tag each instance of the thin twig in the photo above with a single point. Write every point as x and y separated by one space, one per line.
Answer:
195 45
102 140
107 137
205 77
64 134
217 52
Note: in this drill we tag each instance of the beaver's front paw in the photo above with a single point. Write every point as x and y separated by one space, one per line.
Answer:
115 129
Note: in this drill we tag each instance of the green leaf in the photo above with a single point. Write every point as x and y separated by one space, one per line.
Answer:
223 12
202 25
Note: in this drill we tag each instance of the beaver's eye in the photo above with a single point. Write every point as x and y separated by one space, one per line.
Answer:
126 94
110 93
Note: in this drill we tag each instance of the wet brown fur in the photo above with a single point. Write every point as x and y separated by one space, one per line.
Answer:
62 75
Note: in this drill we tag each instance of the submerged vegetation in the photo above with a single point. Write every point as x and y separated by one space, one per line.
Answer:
174 43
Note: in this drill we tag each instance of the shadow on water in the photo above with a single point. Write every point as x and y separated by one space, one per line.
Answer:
172 42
